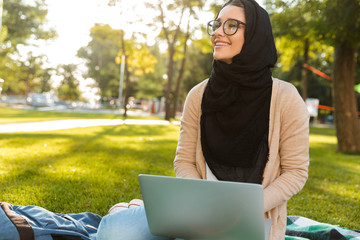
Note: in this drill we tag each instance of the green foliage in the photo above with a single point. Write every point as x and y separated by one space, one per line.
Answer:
339 22
139 58
3 33
195 73
151 85
45 77
100 54
22 21
69 86
25 75
293 18
103 55
9 71
171 31
293 26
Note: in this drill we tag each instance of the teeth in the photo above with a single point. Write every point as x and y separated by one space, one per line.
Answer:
221 44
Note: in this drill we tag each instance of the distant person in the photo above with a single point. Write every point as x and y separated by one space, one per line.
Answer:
239 125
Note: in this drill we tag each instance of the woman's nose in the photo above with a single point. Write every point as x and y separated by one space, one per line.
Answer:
219 31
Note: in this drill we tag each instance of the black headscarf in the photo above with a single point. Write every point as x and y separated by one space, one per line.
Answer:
236 104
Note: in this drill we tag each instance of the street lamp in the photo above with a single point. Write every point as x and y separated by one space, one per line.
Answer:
122 69
1 83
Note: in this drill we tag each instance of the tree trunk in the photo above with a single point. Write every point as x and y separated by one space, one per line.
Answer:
181 72
171 49
127 76
127 87
168 94
304 71
27 86
346 117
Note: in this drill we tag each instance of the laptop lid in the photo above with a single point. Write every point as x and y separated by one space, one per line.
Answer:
202 209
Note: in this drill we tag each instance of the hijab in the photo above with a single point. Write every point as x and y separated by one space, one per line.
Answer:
236 104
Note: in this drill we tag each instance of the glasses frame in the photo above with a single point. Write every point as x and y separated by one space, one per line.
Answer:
223 25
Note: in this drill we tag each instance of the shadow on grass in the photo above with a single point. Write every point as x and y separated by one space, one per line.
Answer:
322 131
317 201
141 130
331 195
85 170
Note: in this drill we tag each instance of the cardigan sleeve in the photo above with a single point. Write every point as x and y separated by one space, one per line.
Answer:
293 150
185 159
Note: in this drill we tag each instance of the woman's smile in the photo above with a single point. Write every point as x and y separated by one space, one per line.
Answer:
227 46
220 44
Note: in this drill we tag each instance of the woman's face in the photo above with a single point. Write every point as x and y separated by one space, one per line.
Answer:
226 47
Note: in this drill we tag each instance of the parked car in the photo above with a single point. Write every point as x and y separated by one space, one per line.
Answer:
41 99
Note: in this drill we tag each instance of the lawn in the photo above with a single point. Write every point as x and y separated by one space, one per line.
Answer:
11 115
332 192
90 169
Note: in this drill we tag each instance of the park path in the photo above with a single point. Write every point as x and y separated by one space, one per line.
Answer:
75 123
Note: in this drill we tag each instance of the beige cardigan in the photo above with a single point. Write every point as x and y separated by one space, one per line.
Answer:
287 169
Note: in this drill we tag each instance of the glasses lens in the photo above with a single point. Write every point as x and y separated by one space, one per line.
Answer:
230 27
213 26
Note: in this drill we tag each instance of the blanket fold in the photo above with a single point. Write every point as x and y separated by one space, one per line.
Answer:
301 228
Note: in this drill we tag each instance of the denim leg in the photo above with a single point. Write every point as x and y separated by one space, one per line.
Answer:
128 224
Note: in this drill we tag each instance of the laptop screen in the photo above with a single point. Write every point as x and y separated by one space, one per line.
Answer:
201 209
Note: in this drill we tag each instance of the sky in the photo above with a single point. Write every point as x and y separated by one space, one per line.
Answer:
72 20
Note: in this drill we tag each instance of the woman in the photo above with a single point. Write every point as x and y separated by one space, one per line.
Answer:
239 125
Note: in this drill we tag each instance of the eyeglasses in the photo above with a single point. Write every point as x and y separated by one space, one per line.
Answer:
230 26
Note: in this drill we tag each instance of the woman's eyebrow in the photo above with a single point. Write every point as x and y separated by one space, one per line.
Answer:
219 19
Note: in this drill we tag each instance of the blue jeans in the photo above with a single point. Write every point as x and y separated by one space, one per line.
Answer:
128 224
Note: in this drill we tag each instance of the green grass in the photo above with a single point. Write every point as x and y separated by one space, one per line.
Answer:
11 115
84 169
332 192
90 169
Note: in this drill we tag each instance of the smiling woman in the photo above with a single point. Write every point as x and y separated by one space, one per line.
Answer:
228 40
241 124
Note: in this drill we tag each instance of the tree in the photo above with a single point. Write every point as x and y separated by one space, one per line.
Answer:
30 71
292 23
45 80
100 54
151 84
200 51
103 55
25 75
138 62
22 22
339 25
181 70
69 86
171 16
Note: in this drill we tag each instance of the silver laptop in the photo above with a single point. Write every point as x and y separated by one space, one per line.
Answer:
201 209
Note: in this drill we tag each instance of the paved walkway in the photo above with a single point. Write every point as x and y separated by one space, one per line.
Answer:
75 123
